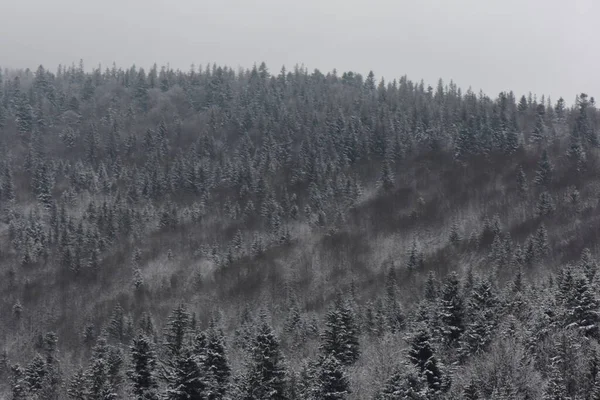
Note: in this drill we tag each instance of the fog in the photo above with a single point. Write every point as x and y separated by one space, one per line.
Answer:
543 46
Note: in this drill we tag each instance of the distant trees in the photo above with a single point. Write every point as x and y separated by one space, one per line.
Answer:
240 182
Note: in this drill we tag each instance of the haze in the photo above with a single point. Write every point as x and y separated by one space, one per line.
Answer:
543 46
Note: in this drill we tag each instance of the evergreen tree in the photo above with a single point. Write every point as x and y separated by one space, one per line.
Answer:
588 265
545 205
582 308
176 330
541 241
216 362
482 319
451 310
142 372
19 383
266 376
186 379
408 385
421 355
387 177
522 186
77 386
543 175
340 338
330 381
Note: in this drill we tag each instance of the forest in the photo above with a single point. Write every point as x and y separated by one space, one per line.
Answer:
247 234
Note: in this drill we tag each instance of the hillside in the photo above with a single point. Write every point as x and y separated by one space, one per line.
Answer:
251 235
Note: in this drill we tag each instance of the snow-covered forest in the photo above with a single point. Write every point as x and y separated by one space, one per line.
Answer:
253 234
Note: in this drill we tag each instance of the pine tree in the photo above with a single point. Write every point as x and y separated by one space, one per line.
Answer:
176 330
582 308
522 186
415 257
387 177
545 205
18 383
142 372
330 381
539 132
185 379
482 320
541 241
116 327
451 310
98 383
340 338
454 234
215 362
76 389
24 116
407 384
470 391
395 317
266 376
421 355
588 265
543 175
431 287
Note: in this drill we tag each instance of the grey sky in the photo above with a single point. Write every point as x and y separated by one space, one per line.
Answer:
543 46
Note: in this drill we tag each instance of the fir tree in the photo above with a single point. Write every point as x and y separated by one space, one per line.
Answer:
421 355
266 376
76 389
522 186
215 362
340 338
176 330
582 308
451 310
545 205
588 265
543 175
185 379
142 372
330 381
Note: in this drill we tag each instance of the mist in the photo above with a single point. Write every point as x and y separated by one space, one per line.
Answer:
544 47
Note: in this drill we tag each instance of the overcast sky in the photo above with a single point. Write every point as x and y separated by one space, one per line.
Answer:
543 46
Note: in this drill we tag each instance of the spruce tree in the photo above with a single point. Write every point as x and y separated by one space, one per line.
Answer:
582 308
330 381
421 355
76 389
543 175
176 330
142 371
340 338
588 265
451 311
545 205
186 379
265 377
216 362
522 186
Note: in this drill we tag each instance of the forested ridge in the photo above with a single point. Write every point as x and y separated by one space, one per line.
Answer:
223 234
